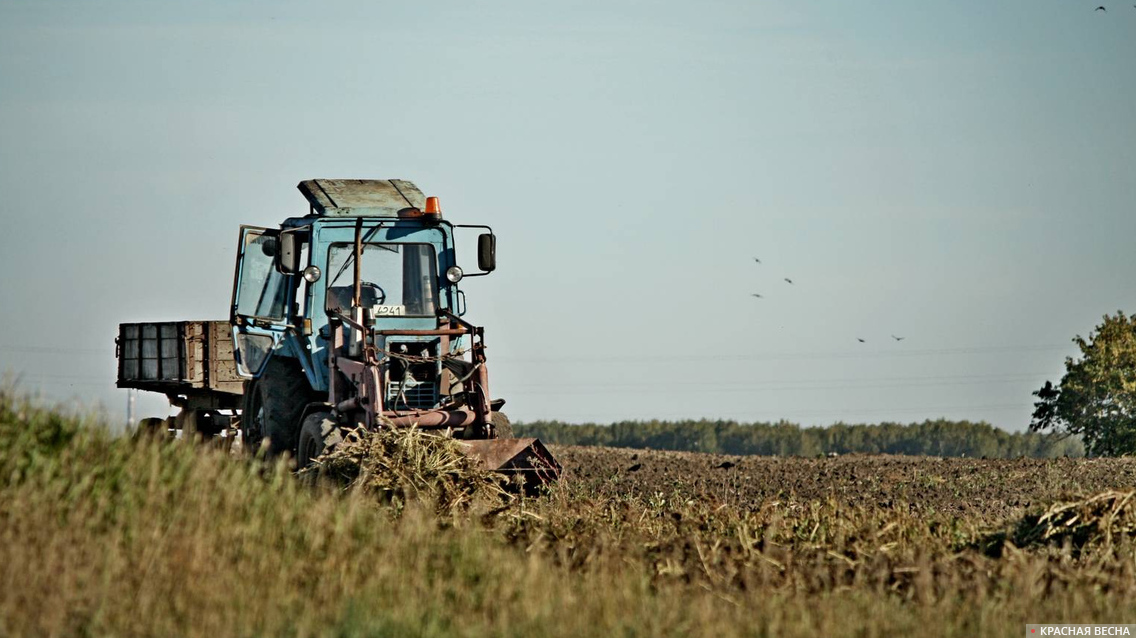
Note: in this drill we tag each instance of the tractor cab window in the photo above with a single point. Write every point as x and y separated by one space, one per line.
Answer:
262 292
397 279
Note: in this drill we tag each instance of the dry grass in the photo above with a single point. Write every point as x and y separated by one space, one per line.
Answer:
113 537
405 466
1100 523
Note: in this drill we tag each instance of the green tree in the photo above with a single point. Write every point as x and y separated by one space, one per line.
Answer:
1096 398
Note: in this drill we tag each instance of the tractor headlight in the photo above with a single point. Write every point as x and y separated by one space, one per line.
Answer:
454 274
312 274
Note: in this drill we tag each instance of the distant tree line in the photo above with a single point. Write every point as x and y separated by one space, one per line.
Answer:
929 438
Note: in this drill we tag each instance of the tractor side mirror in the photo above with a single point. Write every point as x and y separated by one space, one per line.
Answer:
487 252
288 257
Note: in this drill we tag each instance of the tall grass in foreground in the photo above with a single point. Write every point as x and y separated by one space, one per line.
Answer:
105 537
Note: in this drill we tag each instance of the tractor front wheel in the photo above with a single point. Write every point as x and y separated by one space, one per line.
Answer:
319 434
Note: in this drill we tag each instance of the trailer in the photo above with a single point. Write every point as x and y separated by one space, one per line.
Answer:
192 363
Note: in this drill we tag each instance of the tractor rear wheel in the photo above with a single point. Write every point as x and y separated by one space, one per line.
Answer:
319 434
272 407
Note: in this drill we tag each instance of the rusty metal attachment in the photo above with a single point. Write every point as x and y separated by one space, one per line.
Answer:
525 460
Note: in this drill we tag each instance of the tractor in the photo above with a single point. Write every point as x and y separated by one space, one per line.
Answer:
349 316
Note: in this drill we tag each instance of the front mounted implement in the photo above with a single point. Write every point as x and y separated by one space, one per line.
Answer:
525 460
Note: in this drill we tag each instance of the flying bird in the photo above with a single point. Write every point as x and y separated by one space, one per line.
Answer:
860 340
725 465
898 338
1103 9
788 280
754 294
757 260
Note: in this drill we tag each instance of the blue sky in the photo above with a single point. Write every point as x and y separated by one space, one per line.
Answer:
959 174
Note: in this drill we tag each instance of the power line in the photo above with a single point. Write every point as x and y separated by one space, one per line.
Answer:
842 414
57 375
46 383
767 356
669 384
57 350
788 356
746 390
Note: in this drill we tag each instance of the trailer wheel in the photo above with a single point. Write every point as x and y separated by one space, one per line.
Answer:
152 427
272 406
318 434
500 425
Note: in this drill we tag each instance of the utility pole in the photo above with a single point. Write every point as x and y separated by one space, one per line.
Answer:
130 394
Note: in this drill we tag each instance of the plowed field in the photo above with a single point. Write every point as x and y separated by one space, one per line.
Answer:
972 488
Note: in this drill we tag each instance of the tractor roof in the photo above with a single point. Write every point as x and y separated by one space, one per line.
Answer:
361 197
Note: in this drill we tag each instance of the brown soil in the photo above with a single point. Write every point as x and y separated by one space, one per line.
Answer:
975 488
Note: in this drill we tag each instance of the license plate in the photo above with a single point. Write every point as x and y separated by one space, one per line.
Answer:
388 311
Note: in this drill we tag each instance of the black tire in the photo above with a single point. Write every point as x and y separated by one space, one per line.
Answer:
318 434
272 406
152 427
500 426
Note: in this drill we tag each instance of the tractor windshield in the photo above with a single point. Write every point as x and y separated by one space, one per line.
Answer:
397 279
